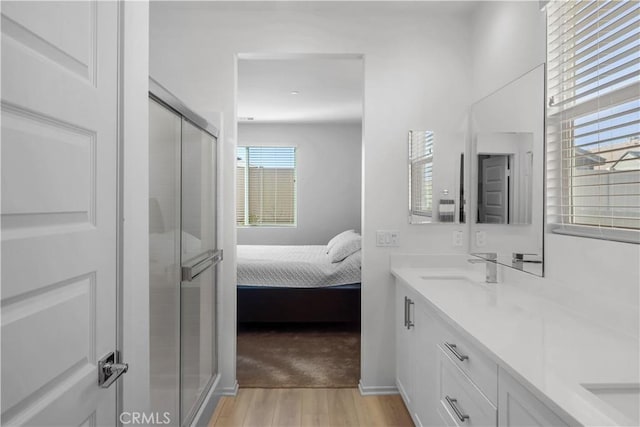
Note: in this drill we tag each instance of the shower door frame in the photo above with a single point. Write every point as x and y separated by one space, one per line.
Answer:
162 96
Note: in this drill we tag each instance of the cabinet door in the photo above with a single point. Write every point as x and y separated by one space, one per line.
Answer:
517 407
426 367
404 347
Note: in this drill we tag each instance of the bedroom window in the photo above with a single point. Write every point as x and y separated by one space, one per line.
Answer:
266 186
593 118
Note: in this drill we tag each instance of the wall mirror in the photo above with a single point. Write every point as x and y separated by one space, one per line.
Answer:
507 179
436 178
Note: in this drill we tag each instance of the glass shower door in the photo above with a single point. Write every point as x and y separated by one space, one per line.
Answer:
198 364
164 259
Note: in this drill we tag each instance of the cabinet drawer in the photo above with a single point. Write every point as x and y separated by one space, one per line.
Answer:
482 370
461 403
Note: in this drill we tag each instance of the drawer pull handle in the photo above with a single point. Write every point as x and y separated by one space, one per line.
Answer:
452 402
410 323
453 349
406 303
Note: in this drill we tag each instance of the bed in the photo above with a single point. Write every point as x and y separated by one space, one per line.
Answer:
297 284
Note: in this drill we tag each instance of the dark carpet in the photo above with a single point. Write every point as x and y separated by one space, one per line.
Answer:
298 355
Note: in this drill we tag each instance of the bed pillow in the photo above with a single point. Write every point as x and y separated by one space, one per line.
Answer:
339 237
345 247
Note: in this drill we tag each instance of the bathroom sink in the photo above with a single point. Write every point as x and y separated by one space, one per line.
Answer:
623 397
450 278
444 277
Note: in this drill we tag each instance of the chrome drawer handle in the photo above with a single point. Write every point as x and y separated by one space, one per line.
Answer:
452 402
406 300
410 323
453 349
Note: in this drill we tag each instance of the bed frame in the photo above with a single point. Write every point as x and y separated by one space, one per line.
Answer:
276 305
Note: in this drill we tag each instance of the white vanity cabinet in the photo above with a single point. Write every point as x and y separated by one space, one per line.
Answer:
416 356
405 345
518 407
445 379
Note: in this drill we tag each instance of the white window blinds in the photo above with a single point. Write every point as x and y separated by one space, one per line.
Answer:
266 186
421 173
593 123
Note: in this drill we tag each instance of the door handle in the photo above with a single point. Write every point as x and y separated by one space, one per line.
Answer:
193 269
109 371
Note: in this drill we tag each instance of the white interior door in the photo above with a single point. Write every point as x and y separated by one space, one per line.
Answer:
495 194
59 212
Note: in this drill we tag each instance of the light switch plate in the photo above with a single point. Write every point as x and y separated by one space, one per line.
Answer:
387 238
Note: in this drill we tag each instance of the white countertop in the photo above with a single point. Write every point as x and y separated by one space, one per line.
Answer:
551 350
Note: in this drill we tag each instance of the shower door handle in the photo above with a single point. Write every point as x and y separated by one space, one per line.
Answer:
198 265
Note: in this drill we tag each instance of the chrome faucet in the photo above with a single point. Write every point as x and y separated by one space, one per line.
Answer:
490 260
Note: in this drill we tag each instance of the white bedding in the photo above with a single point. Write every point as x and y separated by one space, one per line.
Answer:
294 266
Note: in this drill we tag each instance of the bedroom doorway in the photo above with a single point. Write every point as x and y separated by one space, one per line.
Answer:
298 217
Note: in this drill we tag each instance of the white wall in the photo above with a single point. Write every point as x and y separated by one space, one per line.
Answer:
417 76
328 163
509 39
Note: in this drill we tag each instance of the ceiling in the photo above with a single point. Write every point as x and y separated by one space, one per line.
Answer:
329 89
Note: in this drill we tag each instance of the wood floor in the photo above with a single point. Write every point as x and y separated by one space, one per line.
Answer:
322 407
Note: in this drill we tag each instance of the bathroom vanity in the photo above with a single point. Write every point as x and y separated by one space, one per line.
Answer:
470 353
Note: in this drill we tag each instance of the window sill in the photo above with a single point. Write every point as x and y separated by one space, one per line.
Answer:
612 234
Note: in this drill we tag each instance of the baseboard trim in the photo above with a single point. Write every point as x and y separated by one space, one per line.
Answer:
376 390
208 407
230 391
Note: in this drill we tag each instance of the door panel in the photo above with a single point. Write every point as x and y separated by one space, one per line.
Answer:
63 32
517 407
59 217
197 368
198 295
404 347
198 184
164 259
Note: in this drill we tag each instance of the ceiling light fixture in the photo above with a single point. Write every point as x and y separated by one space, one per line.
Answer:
295 92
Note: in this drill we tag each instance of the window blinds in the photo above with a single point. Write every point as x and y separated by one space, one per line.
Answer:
593 114
421 172
266 186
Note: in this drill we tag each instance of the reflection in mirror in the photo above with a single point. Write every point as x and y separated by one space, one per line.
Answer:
421 176
505 162
435 191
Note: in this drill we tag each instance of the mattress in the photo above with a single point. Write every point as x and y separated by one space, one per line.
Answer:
294 267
